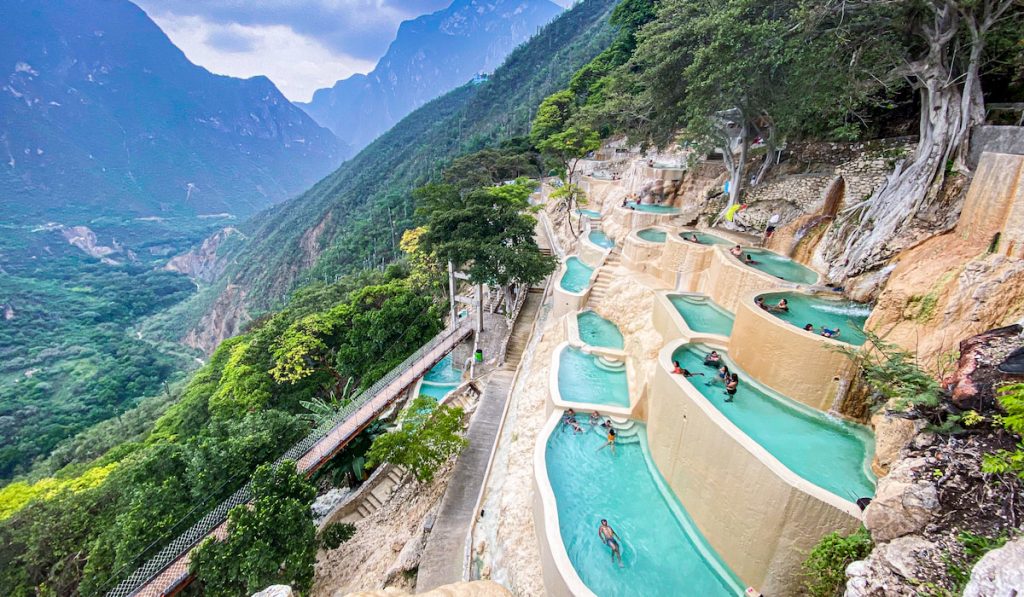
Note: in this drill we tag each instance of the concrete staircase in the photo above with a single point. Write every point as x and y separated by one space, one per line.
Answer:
372 500
521 332
604 278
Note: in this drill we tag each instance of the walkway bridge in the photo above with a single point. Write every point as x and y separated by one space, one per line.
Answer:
167 572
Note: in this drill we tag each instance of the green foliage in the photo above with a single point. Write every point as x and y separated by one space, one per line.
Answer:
1011 398
975 546
335 534
484 231
270 541
428 435
894 374
320 410
825 566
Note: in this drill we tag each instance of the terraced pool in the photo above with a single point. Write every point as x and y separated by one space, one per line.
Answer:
577 275
822 311
702 314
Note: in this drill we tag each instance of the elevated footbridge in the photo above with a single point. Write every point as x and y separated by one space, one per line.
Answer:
167 572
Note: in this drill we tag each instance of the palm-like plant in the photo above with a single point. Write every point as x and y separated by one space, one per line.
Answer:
320 410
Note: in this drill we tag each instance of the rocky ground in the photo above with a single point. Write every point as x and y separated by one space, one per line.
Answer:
936 497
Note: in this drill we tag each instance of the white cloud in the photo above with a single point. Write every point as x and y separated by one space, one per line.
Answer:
297 64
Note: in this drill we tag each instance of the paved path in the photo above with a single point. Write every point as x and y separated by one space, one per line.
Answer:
444 554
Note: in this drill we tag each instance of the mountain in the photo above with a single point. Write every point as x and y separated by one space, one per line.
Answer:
431 55
100 114
353 218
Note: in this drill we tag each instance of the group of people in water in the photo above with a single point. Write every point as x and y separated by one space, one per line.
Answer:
783 307
730 380
570 421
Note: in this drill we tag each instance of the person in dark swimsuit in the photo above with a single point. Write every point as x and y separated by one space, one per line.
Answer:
731 385
610 538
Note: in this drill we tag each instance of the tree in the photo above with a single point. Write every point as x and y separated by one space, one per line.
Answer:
271 540
941 48
428 435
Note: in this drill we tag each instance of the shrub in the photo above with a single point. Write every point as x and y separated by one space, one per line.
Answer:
429 435
825 566
335 534
1011 398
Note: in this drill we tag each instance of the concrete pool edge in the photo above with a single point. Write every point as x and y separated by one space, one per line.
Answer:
565 300
572 333
667 319
805 367
555 393
772 517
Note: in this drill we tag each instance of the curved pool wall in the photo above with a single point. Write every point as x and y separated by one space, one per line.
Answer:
440 380
581 381
806 367
565 300
727 281
702 315
782 268
643 254
681 263
757 514
823 310
591 254
600 239
664 553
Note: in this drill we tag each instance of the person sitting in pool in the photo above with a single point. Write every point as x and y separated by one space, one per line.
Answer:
736 251
595 419
731 385
676 369
782 305
712 359
723 376
693 239
828 333
759 301
569 420
610 538
610 441
809 328
750 260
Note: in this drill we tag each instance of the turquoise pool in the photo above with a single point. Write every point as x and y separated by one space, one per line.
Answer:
585 378
781 267
831 453
441 379
654 209
833 313
589 213
702 314
598 331
600 239
704 238
652 235
577 275
662 551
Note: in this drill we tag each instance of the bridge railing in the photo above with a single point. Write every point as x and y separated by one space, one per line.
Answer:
215 517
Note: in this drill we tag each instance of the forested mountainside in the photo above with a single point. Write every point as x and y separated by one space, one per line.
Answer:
430 55
353 218
101 115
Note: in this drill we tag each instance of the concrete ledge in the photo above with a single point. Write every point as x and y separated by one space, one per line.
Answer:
798 364
757 514
671 325
565 301
557 403
726 280
643 255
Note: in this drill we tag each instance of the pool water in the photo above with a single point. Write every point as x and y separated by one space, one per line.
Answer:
662 551
704 238
819 311
702 314
654 209
829 452
441 379
652 235
600 239
589 213
781 267
584 378
577 275
598 331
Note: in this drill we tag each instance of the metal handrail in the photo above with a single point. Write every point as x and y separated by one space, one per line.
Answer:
218 515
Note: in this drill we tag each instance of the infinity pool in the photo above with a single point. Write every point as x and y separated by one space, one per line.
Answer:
652 235
589 213
586 378
702 314
833 313
600 239
577 275
831 453
441 379
654 209
781 267
662 551
598 331
704 238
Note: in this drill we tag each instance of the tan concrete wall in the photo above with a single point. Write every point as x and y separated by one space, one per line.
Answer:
563 301
804 366
727 281
758 515
590 253
641 255
995 204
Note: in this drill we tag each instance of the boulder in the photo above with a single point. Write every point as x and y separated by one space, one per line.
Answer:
275 591
902 505
892 434
1000 573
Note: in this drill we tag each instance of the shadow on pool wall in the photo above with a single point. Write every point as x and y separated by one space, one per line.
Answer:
757 514
727 281
805 367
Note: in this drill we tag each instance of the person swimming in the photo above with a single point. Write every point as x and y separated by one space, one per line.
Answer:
722 375
737 251
676 369
712 359
809 328
759 301
609 442
688 373
828 333
731 385
782 305
610 538
750 260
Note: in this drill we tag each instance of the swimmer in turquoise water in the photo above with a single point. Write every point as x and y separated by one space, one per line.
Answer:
610 538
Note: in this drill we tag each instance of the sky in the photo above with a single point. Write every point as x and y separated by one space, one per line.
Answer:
301 45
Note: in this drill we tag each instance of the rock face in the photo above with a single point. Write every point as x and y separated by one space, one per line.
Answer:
223 320
202 263
999 573
902 505
275 591
84 238
476 588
